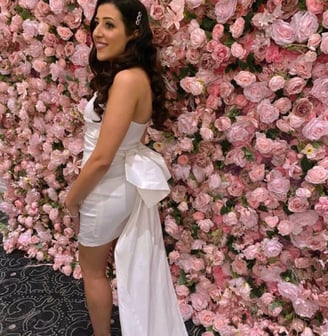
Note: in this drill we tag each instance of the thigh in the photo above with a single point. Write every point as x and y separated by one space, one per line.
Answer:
94 260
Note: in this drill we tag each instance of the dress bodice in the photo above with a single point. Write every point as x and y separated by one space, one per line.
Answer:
92 129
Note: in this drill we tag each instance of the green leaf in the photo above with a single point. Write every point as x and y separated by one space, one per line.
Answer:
306 164
207 24
272 133
248 154
225 145
289 276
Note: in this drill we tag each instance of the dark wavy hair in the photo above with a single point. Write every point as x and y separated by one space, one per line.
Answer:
139 52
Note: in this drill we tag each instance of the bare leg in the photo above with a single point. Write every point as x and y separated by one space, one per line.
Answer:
97 288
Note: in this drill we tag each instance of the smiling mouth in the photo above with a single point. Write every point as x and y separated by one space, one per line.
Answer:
101 45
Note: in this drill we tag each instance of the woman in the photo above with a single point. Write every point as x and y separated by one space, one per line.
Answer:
121 180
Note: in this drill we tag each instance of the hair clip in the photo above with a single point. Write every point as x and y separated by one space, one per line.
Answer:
138 19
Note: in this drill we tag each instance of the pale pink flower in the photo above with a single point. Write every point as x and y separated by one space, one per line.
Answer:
205 224
317 175
64 33
224 10
315 129
237 50
237 27
257 91
271 247
314 6
206 317
198 301
324 43
197 37
244 78
283 33
217 32
57 6
186 311
320 89
81 55
314 41
267 112
294 85
305 24
192 85
276 83
263 144
285 227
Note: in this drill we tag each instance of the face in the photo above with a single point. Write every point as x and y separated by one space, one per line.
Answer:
109 35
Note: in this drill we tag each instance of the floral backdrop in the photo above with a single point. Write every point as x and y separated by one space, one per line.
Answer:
246 222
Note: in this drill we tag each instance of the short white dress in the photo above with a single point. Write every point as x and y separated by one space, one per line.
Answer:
105 210
124 205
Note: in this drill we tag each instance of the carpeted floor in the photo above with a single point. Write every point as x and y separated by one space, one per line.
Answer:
37 301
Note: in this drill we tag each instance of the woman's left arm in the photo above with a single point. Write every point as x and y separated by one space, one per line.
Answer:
119 112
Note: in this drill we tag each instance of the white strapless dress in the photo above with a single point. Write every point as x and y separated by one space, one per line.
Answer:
124 205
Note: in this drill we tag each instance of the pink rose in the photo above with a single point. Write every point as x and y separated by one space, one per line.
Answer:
283 33
244 78
256 173
217 32
316 175
198 301
315 129
220 53
320 89
187 123
285 227
263 144
237 50
324 43
197 38
303 219
314 41
201 201
157 12
237 28
257 91
205 225
276 83
283 104
298 204
56 6
81 55
267 112
224 10
186 311
73 19
192 85
271 247
206 318
305 24
294 86
324 21
314 6
194 3
279 185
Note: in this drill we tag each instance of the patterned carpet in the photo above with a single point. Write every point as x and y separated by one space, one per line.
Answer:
37 301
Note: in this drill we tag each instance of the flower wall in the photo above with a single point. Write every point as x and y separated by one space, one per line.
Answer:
246 222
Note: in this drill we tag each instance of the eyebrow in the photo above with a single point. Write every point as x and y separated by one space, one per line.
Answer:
105 18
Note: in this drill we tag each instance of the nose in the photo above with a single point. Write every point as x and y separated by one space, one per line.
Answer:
97 31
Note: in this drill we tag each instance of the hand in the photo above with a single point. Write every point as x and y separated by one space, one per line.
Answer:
73 211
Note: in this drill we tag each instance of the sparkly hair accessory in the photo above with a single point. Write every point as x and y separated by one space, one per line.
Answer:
138 19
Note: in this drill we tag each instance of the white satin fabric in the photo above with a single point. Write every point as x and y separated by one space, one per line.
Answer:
147 301
124 204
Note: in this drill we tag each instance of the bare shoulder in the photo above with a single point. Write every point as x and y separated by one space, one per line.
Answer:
130 77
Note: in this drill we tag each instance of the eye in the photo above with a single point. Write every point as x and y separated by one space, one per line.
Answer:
109 25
